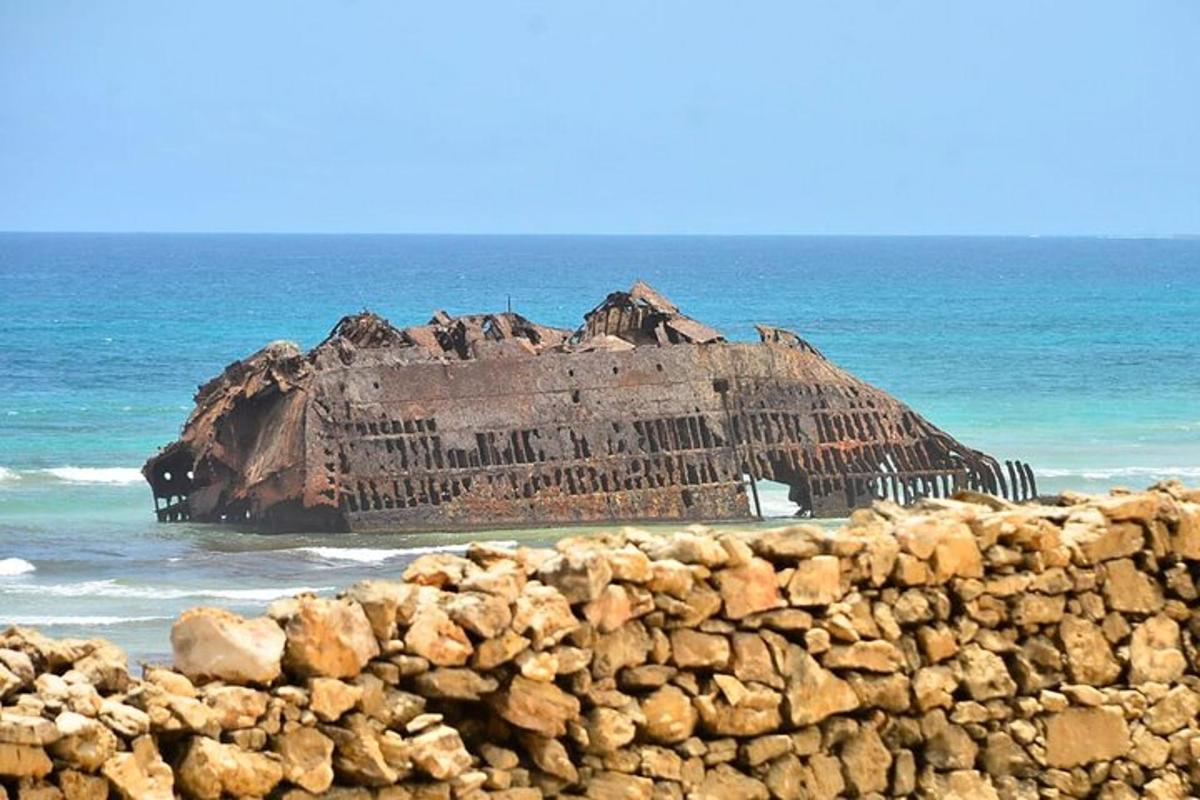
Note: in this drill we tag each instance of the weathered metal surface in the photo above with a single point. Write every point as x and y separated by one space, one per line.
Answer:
492 421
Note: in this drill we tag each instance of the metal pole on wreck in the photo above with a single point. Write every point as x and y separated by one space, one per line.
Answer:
721 385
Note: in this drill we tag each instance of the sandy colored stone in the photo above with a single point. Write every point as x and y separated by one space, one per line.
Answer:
455 683
866 762
1154 653
494 652
141 774
691 649
331 638
985 674
17 727
816 581
543 614
358 756
306 757
813 692
211 643
236 706
1128 589
329 698
579 574
1173 711
874 656
611 609
1089 657
481 613
753 712
669 714
76 785
748 589
439 753
380 600
84 743
23 761
124 719
724 783
608 730
211 769
1085 735
536 706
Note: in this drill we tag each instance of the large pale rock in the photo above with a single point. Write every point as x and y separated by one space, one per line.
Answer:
84 743
946 543
1176 709
985 674
725 783
749 712
625 647
379 601
141 774
236 706
611 609
105 666
439 753
543 614
749 588
1154 653
1089 657
669 714
579 574
77 785
816 581
608 730
686 547
1092 538
306 757
813 692
550 756
17 727
865 762
358 756
455 683
435 636
536 706
691 649
1128 589
211 769
124 719
329 698
481 613
23 761
1083 735
211 643
1184 540
876 655
618 786
331 638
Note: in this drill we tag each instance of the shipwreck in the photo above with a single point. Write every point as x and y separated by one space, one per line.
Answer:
491 420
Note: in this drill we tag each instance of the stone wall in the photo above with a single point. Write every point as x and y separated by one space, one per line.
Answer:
958 649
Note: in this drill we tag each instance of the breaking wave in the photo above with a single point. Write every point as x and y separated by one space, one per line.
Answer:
110 588
29 619
7 474
369 555
15 566
111 475
1108 473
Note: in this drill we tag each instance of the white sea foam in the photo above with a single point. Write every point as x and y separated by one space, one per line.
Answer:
15 566
111 475
31 619
1108 473
7 474
110 588
374 555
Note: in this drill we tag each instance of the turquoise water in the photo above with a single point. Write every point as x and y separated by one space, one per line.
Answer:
1081 356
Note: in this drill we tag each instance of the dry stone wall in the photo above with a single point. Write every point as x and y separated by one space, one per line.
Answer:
963 648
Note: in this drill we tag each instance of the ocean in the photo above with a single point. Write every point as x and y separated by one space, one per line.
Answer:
1078 355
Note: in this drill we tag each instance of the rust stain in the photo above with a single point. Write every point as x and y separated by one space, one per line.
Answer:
492 420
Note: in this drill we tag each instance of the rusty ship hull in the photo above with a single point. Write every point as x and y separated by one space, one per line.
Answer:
642 414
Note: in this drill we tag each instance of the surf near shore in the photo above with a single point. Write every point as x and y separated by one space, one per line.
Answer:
959 648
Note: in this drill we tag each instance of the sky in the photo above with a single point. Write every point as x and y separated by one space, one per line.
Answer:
834 117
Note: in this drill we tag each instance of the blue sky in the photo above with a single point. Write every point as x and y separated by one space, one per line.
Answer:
836 117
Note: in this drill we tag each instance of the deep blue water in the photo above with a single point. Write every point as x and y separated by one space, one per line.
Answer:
1081 356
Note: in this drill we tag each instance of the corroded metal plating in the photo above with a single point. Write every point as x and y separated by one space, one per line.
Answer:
492 420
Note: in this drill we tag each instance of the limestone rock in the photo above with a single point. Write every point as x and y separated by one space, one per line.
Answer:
380 600
1083 735
535 706
544 614
1089 658
579 574
874 656
550 756
236 706
211 769
331 638
1154 653
23 761
813 692
669 714
211 643
77 785
691 649
20 728
306 757
455 683
1128 589
141 774
866 762
725 783
749 588
84 743
985 674
329 698
816 581
481 613
439 753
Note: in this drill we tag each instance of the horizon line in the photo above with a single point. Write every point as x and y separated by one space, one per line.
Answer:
613 235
